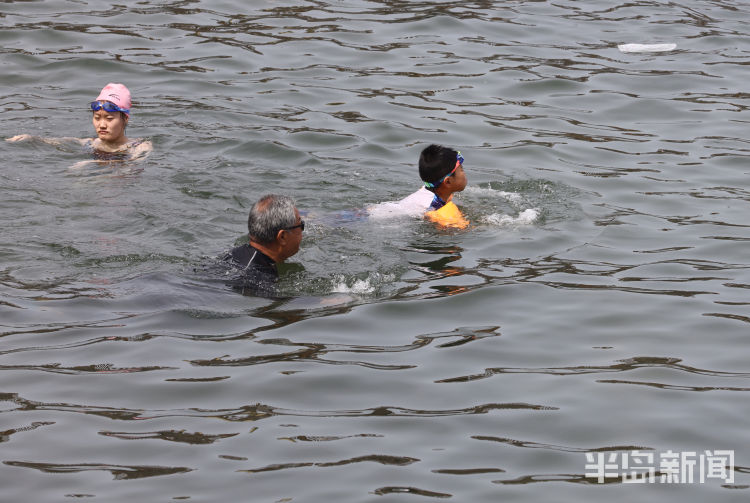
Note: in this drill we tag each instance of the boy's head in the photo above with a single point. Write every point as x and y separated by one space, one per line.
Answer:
441 169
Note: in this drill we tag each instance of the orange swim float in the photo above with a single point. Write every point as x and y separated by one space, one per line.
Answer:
448 216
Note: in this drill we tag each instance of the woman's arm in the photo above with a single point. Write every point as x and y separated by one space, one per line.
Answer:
49 141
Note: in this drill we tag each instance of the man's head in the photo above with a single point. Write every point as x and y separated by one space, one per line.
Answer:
275 226
441 168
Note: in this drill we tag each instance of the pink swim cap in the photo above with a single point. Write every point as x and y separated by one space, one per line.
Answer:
117 94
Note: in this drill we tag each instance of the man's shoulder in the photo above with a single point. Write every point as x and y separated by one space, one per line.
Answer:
251 259
239 255
251 272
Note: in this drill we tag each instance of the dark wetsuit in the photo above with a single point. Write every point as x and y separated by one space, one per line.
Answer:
254 272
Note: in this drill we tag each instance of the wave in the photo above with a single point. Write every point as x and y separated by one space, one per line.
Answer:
526 217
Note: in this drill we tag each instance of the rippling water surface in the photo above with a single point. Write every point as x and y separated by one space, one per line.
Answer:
598 303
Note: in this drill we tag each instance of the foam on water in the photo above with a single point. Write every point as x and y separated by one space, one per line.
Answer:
359 286
511 197
368 285
526 217
494 215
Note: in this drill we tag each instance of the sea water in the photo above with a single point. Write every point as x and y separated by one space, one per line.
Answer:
596 309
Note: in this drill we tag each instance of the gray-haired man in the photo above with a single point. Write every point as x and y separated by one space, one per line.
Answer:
275 229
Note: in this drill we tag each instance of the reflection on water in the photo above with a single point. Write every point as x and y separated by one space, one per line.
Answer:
630 364
603 279
119 472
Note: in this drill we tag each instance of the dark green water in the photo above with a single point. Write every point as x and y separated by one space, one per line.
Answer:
598 303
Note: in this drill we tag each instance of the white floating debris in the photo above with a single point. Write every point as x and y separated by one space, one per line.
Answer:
647 47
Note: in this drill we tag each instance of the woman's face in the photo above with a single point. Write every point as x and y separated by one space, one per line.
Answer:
110 126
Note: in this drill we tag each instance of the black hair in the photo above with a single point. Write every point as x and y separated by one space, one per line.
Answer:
435 162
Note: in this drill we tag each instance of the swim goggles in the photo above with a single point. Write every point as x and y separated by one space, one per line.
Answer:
108 106
459 162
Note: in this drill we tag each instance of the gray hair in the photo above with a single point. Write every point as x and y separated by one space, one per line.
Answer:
269 215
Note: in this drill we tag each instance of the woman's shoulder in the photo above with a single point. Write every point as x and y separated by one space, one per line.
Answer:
136 142
139 147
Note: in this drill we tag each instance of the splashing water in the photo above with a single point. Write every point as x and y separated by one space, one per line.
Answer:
526 217
357 286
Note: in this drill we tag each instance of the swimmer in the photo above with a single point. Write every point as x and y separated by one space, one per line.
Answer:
275 231
111 113
441 170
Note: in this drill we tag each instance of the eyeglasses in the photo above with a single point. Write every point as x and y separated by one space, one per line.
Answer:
108 106
301 226
459 162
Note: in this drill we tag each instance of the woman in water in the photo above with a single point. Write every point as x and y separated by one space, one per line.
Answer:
111 113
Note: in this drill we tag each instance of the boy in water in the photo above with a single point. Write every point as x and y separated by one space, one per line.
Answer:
111 113
441 170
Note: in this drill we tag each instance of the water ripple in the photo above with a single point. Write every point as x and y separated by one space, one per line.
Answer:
375 458
381 491
196 438
311 352
258 411
99 368
627 365
673 386
634 166
120 472
537 445
5 435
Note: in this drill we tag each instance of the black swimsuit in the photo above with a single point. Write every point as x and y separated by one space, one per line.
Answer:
120 155
253 271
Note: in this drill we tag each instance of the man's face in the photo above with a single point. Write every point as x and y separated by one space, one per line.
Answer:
293 238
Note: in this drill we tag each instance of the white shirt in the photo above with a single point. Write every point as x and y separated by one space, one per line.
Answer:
413 205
